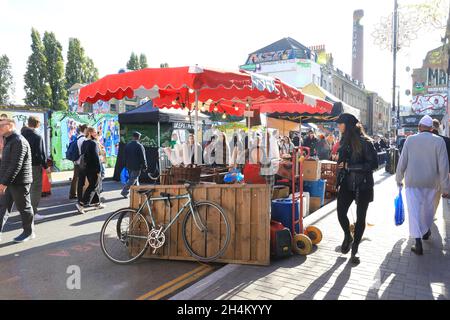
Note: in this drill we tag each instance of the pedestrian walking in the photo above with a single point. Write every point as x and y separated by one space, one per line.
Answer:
135 162
90 167
38 162
15 179
436 128
424 166
357 161
77 186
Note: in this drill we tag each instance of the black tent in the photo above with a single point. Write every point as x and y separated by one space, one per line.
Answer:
143 114
147 114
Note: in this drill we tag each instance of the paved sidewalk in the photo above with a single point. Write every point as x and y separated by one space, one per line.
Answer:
388 269
65 177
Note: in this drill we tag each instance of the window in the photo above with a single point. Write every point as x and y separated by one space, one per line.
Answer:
129 107
113 108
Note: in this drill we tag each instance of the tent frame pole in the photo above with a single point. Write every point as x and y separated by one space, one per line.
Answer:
196 155
159 146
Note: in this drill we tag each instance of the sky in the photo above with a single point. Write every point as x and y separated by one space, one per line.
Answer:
209 33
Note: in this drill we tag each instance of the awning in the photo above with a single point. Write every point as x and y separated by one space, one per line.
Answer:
317 91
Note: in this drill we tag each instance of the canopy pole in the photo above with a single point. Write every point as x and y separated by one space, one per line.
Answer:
159 146
196 155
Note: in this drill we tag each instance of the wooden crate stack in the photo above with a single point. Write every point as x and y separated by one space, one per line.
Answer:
329 173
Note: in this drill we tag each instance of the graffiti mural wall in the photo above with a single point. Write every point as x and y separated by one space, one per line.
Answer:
21 118
64 129
430 84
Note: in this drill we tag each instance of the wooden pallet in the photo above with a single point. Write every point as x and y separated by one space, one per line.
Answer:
247 208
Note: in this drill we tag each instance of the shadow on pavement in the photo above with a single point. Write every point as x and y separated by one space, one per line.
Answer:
40 272
316 285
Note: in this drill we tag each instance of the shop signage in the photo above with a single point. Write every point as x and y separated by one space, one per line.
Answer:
183 125
303 63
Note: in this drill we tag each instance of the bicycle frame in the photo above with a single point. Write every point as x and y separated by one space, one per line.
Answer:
188 204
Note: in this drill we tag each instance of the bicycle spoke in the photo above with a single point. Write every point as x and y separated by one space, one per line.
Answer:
202 232
124 236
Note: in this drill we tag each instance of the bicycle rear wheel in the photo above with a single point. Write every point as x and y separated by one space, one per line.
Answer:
208 238
124 236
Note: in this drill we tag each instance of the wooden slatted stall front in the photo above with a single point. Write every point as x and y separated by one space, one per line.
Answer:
247 209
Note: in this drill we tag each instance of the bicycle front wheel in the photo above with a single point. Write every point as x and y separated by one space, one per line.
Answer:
124 236
206 232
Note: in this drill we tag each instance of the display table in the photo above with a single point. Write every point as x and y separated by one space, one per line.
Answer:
247 208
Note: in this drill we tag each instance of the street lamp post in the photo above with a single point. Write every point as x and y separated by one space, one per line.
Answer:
394 77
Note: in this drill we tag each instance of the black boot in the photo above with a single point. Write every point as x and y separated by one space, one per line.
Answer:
418 249
355 258
345 247
427 235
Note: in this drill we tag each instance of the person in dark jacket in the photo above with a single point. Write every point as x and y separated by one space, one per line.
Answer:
436 127
135 162
357 161
90 166
38 162
15 179
311 142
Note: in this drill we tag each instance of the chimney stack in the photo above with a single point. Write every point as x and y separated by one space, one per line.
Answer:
358 47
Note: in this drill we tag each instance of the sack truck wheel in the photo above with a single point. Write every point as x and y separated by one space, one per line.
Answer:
314 234
302 244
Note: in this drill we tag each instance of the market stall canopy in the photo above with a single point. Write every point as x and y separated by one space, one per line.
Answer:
147 113
317 91
179 88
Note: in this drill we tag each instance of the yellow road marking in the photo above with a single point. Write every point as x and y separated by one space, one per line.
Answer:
181 284
173 282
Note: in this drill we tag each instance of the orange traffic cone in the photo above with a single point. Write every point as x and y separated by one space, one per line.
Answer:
46 185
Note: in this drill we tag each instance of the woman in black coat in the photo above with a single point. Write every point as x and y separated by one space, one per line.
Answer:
357 161
91 166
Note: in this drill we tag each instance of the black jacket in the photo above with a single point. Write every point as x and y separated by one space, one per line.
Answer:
360 167
38 154
311 144
135 159
447 145
15 167
90 151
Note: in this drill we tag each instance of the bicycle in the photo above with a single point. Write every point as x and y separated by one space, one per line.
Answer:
127 234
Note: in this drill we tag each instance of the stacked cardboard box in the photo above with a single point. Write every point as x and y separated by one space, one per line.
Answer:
312 172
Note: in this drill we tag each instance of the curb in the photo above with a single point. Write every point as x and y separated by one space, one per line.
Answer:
210 280
203 284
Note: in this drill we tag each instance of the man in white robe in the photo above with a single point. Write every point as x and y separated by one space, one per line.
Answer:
424 166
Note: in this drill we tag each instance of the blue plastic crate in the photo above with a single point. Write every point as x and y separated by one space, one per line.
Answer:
316 189
282 212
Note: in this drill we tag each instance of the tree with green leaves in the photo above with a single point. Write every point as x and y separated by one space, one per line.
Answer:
6 80
79 67
37 89
55 71
143 61
90 73
133 63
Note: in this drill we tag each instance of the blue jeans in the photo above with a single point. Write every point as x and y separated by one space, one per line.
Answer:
133 179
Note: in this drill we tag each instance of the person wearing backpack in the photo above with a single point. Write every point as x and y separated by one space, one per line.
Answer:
90 168
73 154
